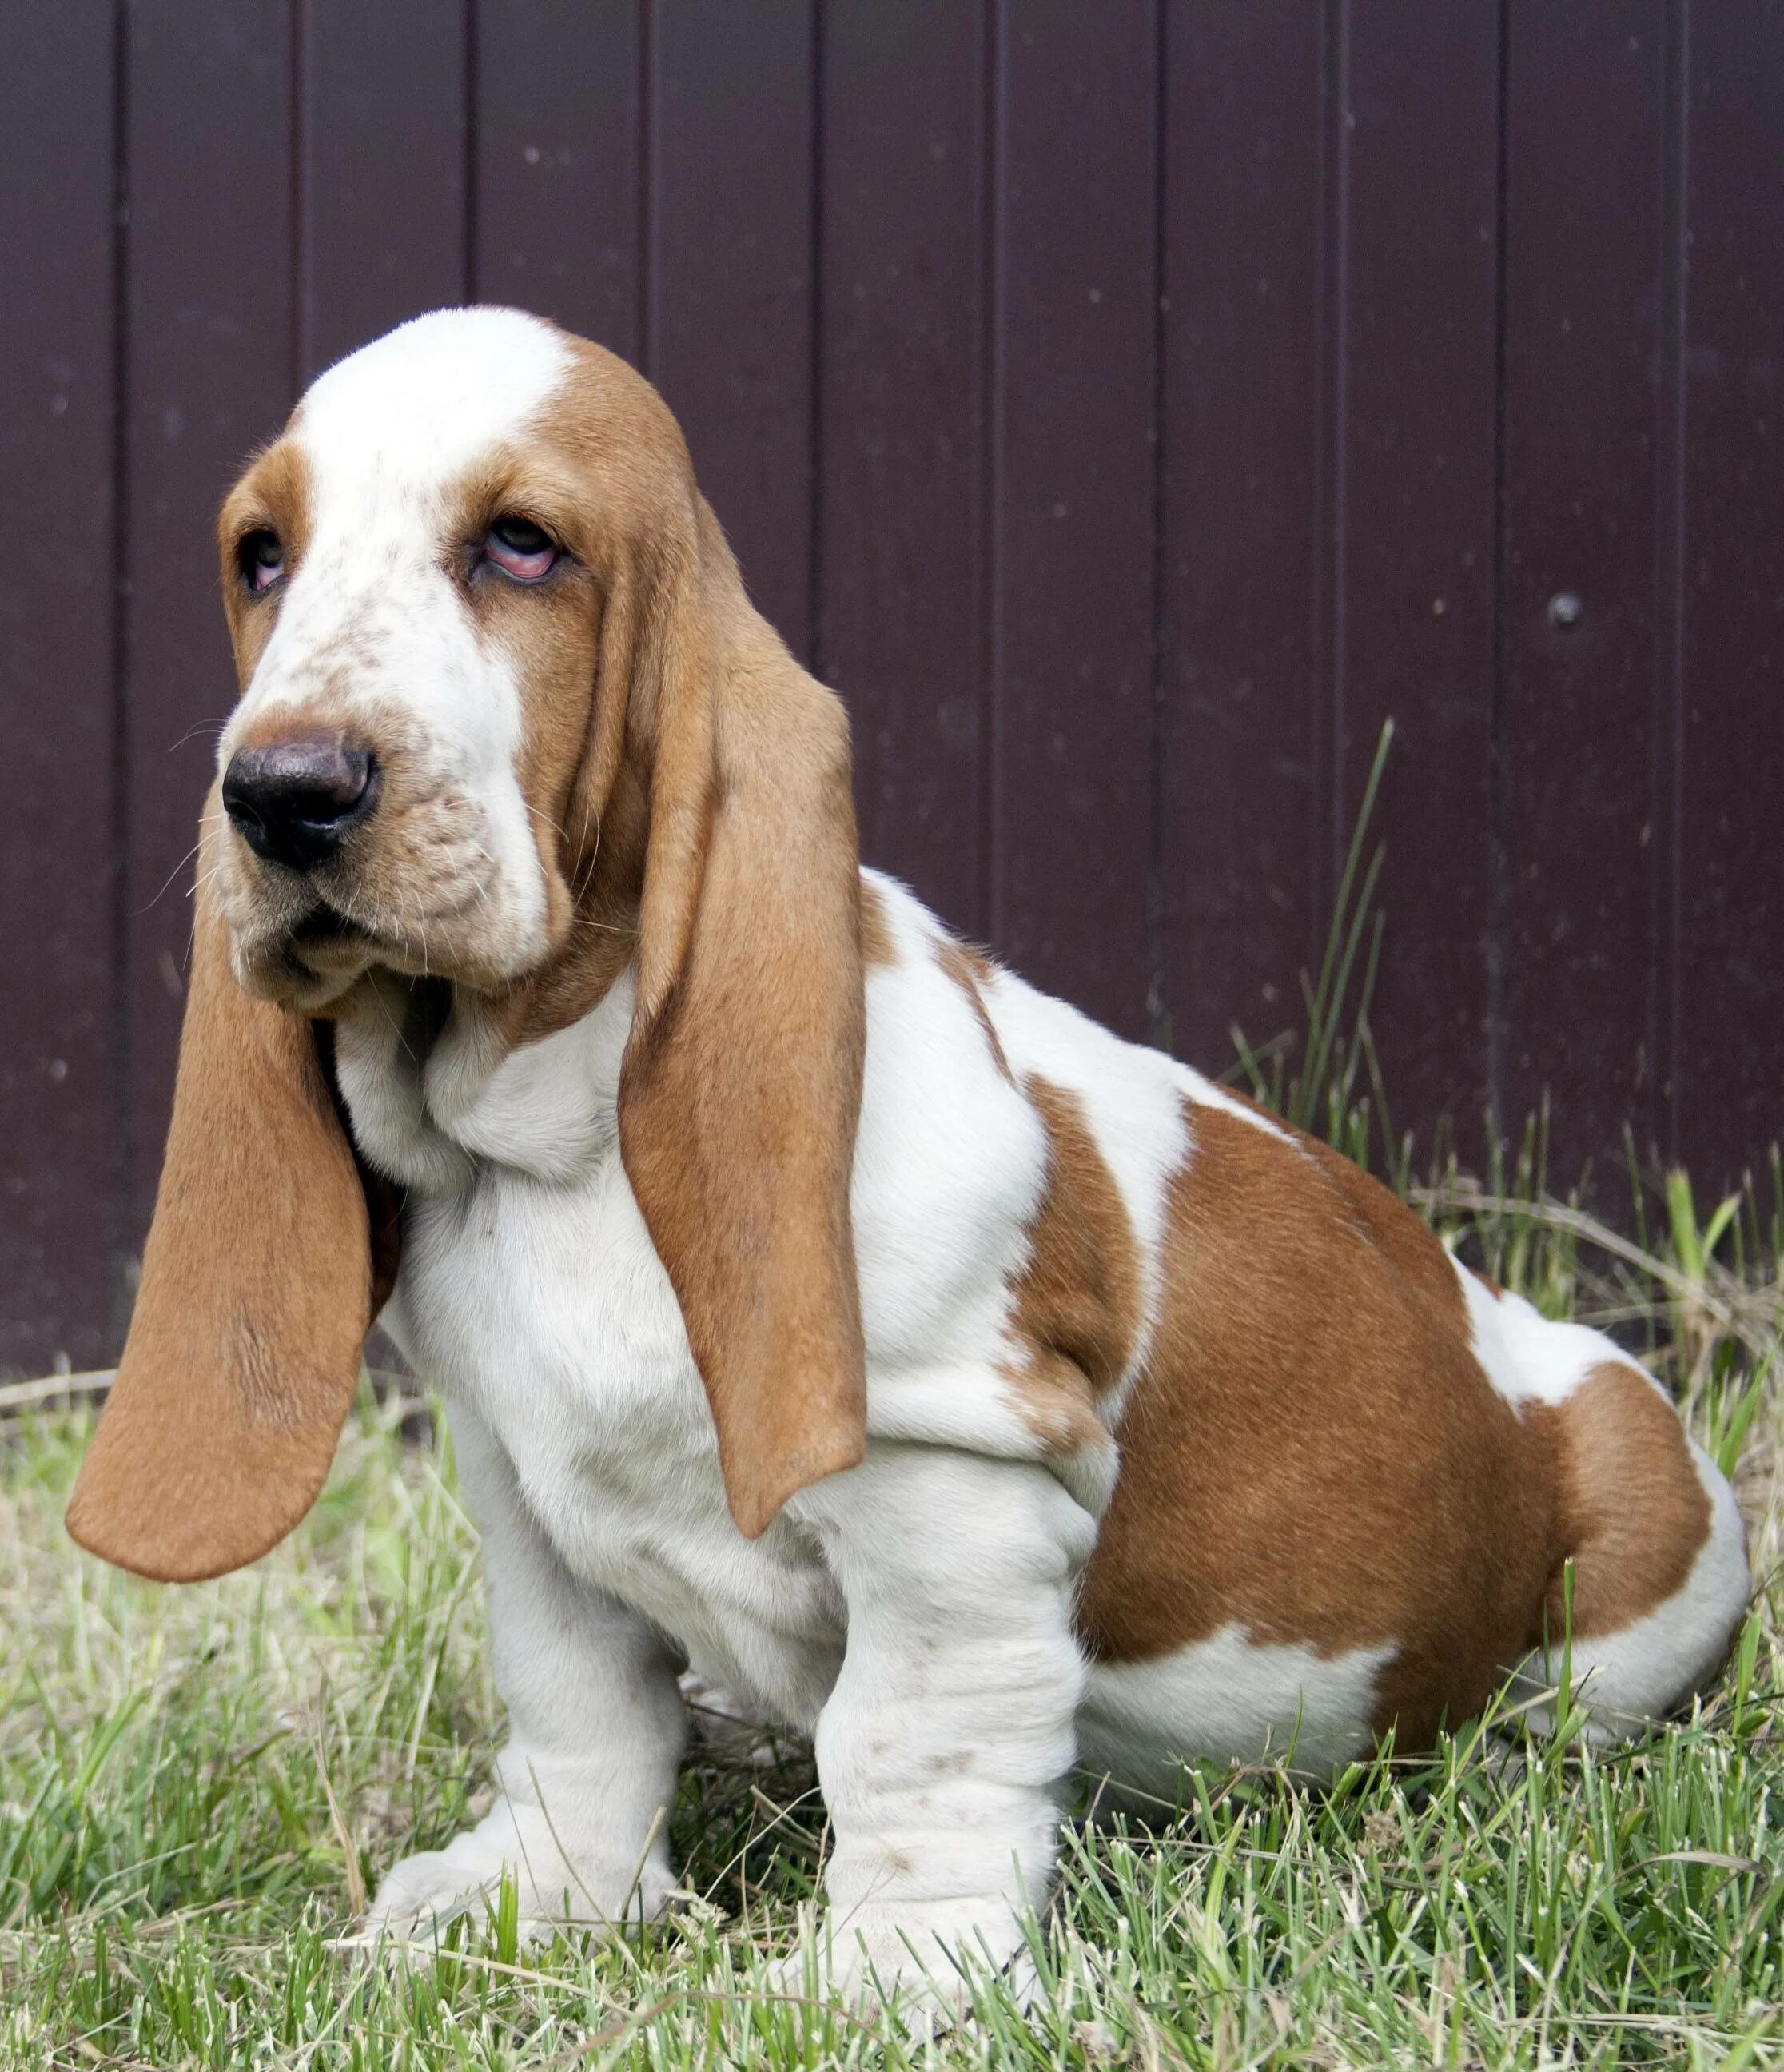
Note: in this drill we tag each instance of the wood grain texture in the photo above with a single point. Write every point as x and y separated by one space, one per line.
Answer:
210 371
1127 408
1410 581
384 115
730 298
1071 632
59 1028
1588 847
902 478
556 209
1728 750
1240 394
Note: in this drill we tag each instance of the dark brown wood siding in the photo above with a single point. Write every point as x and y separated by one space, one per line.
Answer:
1128 407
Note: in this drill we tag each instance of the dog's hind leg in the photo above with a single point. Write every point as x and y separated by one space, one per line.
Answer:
1650 1582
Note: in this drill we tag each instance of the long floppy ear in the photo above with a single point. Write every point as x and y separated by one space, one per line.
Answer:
257 1291
741 1084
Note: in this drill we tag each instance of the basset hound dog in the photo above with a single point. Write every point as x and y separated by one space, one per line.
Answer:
815 1303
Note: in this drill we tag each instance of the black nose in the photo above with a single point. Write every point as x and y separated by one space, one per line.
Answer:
296 801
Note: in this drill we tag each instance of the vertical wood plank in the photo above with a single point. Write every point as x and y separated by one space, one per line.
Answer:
1240 397
382 123
1728 749
210 317
1583 433
731 296
1072 648
57 797
1411 634
901 492
556 213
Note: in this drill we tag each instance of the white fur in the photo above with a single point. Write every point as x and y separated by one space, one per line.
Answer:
1527 1356
1626 1677
1134 1103
1232 1699
913 1613
1624 1680
370 623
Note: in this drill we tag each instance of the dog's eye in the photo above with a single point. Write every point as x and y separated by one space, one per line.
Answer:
260 558
519 549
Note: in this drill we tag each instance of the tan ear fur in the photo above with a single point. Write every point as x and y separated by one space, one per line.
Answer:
741 1084
257 1293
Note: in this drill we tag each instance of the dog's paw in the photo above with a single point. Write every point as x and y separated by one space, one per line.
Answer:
922 1964
555 1888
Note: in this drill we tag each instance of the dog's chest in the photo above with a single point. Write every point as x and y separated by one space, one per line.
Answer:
539 1306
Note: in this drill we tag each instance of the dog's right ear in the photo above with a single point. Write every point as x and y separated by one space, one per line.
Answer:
259 1284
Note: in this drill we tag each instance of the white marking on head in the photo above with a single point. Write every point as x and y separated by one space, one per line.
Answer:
374 630
409 413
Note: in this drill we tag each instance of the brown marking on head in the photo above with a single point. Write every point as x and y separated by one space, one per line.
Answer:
689 791
1075 1307
708 822
1312 1452
1633 1514
879 950
272 495
972 971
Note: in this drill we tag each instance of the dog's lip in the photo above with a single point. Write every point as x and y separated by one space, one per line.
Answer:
325 941
326 924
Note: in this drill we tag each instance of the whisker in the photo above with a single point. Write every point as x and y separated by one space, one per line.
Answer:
557 827
174 873
198 726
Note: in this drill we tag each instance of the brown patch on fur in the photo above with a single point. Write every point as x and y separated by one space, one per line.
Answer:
708 824
272 495
1312 1452
1077 1301
972 971
551 630
739 1097
877 948
690 787
257 1290
1634 1515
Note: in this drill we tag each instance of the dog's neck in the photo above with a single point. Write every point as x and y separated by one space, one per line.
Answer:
437 1088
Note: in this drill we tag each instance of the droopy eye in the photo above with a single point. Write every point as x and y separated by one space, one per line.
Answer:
260 558
519 549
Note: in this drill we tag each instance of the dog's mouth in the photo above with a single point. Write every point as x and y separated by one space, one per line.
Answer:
327 929
422 911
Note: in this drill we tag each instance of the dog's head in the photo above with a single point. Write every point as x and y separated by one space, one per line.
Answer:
508 722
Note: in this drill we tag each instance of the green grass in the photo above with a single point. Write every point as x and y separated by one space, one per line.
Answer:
197 1786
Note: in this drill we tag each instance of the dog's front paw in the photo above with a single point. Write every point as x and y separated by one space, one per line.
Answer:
922 1961
557 1884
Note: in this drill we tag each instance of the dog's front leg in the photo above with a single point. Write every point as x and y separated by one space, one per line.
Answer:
596 1727
942 1748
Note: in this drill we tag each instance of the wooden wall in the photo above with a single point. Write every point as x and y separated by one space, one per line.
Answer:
1126 405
